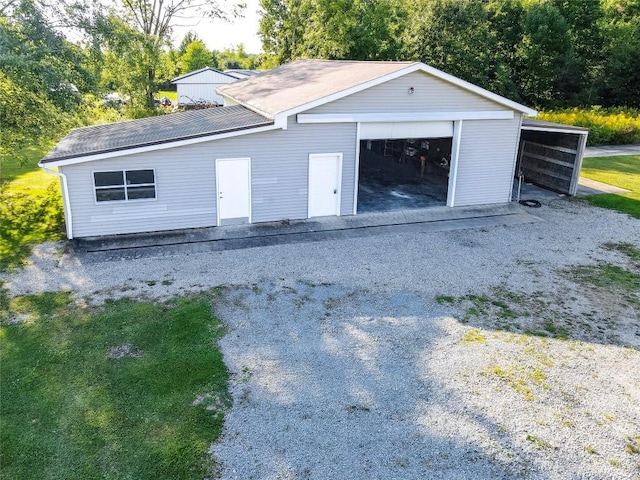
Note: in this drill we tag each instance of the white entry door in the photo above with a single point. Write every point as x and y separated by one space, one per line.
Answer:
325 178
233 185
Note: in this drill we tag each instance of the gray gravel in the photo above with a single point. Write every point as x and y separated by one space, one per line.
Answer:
344 365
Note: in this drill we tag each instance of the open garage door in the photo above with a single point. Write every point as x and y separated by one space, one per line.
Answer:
550 155
403 165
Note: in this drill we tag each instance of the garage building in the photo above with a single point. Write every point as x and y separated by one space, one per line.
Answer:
308 139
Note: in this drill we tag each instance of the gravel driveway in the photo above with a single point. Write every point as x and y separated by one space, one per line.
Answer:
483 353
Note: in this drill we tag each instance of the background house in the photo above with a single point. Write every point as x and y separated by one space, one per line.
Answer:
199 87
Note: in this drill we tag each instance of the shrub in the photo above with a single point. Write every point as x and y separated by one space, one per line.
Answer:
607 126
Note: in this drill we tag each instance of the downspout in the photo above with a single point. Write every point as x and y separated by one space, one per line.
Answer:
65 200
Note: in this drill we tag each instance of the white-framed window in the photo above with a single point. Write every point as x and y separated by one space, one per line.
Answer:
124 185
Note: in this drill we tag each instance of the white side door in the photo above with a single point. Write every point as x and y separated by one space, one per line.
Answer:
325 179
233 185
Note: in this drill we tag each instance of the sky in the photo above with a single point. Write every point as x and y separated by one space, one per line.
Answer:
218 35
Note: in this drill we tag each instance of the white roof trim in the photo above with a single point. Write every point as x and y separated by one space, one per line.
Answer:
551 129
478 90
403 117
226 98
184 76
390 76
150 148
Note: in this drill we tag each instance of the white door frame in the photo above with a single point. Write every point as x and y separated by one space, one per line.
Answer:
453 166
339 180
218 160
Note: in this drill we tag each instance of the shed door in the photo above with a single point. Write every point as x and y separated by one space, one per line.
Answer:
325 178
233 181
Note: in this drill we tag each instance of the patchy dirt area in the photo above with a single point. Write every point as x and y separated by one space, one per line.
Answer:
333 382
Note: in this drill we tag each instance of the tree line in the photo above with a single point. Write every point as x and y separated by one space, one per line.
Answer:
544 53
49 84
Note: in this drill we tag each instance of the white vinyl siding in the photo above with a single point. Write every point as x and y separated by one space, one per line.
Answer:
189 94
430 94
201 87
186 182
486 161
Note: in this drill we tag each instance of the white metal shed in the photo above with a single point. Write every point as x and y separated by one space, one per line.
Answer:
199 86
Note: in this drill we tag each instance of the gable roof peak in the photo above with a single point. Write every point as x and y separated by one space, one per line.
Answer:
305 83
196 72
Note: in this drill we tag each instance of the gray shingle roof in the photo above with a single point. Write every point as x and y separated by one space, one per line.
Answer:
302 81
154 130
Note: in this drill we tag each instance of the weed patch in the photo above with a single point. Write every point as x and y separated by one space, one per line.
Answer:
628 249
606 276
540 443
608 126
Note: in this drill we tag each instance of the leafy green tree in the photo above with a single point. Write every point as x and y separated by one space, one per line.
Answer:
546 65
282 27
189 37
38 72
237 57
583 20
332 29
454 36
150 23
196 56
620 77
353 29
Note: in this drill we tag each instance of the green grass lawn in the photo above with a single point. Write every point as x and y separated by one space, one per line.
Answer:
30 207
173 96
622 171
134 390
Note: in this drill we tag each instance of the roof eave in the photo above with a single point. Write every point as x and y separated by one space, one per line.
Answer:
478 90
196 72
141 148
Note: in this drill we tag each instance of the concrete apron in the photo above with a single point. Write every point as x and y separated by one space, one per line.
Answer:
433 219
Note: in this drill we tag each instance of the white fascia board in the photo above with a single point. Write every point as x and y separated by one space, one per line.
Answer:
160 146
403 117
558 130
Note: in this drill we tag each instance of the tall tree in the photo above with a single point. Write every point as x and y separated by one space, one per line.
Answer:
37 70
455 36
282 27
189 37
620 68
546 64
153 20
196 56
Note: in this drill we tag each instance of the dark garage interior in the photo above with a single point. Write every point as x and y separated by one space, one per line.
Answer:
403 174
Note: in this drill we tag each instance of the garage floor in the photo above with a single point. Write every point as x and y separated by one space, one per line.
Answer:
386 185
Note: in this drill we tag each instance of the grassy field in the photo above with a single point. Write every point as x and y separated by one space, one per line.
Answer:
30 207
132 390
624 172
173 96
